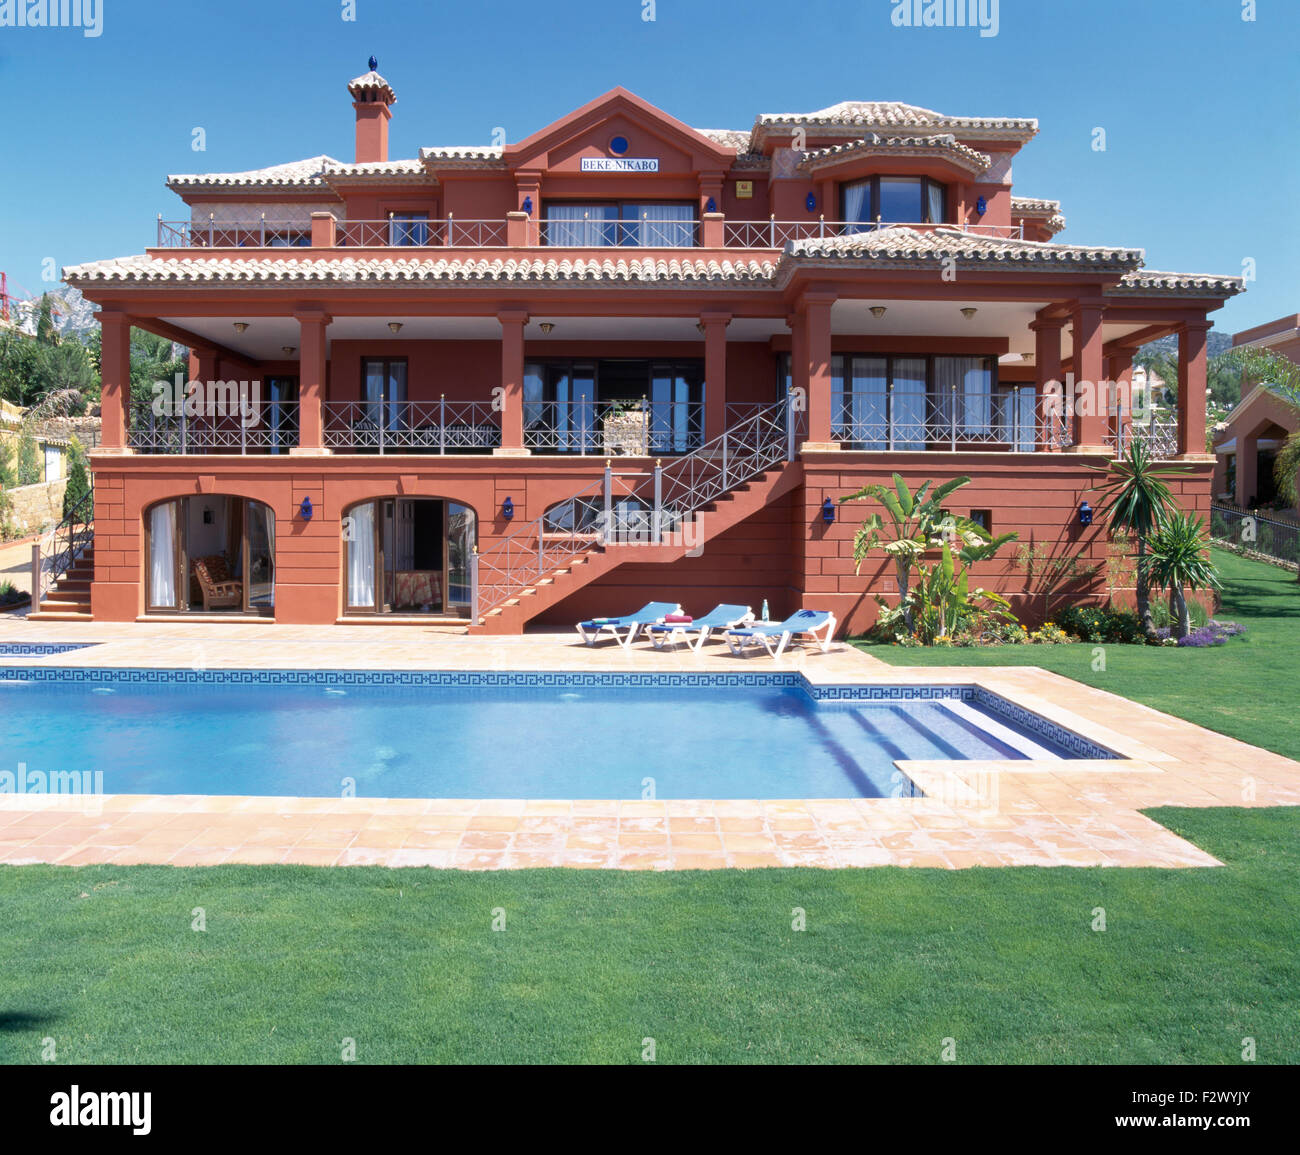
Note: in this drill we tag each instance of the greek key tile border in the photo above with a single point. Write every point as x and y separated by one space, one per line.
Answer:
39 649
1077 745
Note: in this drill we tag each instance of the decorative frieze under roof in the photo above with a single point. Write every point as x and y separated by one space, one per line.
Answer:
889 116
906 248
1154 283
943 146
295 174
146 271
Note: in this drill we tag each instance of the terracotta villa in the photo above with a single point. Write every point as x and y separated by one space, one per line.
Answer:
621 359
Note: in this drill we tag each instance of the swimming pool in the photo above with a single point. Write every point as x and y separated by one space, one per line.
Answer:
497 735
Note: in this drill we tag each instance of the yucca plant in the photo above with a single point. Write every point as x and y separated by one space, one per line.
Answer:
916 522
1179 561
1137 500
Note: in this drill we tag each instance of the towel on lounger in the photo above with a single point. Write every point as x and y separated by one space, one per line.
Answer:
678 619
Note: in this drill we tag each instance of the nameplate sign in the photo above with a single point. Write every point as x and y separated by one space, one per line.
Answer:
619 164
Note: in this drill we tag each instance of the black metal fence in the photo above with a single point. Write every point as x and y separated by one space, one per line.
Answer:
1266 532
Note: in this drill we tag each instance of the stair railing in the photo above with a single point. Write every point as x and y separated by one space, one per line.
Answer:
58 551
588 520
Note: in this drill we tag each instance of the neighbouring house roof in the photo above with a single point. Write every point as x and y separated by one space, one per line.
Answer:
1045 211
919 248
889 116
139 271
737 138
1153 283
1258 393
942 145
296 174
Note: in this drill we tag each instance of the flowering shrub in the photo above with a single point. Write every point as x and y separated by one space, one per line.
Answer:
1096 624
1049 635
1213 633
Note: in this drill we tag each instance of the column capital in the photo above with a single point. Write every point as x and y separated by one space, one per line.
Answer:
714 317
1204 325
1041 324
307 314
816 298
514 315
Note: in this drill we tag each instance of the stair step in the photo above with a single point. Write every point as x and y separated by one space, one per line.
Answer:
60 616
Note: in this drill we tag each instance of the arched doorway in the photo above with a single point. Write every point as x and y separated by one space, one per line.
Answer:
210 553
408 555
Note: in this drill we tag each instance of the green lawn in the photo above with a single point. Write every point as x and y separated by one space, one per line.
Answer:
1005 961
1243 688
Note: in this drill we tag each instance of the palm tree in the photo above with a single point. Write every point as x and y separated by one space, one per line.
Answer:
1180 560
917 522
1137 501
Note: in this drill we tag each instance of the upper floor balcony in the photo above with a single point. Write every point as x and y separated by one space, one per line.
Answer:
409 231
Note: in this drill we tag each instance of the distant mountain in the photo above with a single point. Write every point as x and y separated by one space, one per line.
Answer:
74 316
1215 343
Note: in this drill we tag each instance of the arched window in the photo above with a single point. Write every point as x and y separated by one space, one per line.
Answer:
408 555
211 553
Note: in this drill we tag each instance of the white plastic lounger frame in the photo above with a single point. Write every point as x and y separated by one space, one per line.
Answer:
776 636
649 614
720 618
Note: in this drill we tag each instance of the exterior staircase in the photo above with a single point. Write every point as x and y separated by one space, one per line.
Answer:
68 599
716 487
63 566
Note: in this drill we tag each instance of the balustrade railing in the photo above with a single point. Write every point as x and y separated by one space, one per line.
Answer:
885 421
268 427
613 428
440 426
58 551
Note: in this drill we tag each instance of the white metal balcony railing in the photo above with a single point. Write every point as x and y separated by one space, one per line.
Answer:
440 426
453 232
881 421
270 428
1161 437
614 428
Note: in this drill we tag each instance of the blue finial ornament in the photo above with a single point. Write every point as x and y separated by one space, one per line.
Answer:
374 65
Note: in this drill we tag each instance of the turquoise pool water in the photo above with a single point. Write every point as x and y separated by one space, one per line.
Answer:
496 736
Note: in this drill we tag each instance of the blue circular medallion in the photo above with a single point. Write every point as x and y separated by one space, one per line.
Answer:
618 145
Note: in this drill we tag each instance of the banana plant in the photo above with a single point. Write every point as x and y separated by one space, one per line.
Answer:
914 523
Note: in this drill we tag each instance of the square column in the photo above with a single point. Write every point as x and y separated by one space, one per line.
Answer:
512 383
1191 390
1089 371
816 369
115 379
1047 369
312 363
715 373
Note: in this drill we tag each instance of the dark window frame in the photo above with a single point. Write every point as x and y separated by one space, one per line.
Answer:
873 210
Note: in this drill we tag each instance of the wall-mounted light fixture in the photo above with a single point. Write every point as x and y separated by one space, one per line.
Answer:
969 312
288 350
240 326
810 202
547 328
305 509
981 206
1085 513
507 509
828 511
394 327
528 205
877 311
711 206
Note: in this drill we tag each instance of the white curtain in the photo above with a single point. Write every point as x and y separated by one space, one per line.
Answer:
581 226
162 555
361 557
964 388
907 404
857 203
659 226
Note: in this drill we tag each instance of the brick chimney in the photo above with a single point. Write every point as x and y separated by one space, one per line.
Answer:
373 98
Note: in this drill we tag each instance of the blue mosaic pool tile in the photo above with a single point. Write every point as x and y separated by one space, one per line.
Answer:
39 649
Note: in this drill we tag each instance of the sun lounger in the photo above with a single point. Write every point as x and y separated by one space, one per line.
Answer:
722 617
624 630
775 636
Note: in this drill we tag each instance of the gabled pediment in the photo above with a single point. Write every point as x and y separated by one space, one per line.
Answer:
649 132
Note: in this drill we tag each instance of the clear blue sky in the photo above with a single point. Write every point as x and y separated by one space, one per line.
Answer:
1200 107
